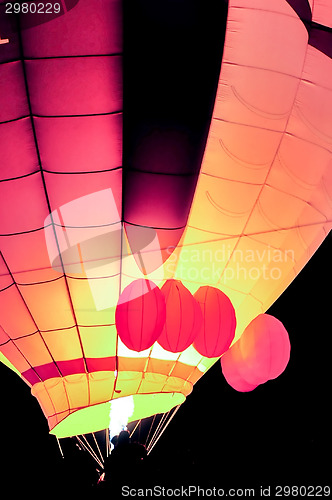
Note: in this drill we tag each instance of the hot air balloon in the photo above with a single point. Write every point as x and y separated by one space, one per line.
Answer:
79 224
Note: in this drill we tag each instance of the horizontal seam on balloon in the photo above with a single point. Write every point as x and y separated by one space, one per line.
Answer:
237 235
231 180
88 278
56 330
79 56
294 16
62 57
154 227
21 337
6 287
287 133
20 176
14 119
60 226
84 115
39 282
83 171
268 70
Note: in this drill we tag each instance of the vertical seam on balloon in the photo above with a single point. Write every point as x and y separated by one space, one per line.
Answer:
220 321
204 306
181 312
46 197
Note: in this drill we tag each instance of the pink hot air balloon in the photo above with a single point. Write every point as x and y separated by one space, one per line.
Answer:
261 354
219 322
183 317
140 314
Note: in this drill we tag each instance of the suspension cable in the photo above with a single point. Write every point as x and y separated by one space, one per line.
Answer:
150 448
97 445
161 421
147 439
88 448
60 447
134 429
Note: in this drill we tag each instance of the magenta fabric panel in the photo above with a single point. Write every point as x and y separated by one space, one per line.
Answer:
23 205
75 85
18 156
91 27
84 144
158 200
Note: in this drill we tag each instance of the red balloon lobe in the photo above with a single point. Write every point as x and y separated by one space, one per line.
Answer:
261 354
219 322
140 314
183 317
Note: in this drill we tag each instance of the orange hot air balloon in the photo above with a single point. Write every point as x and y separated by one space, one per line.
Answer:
261 354
183 317
219 322
79 223
140 314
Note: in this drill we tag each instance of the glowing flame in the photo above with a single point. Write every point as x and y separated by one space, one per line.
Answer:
120 412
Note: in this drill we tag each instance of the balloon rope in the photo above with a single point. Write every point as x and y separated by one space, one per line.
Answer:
147 439
93 451
97 445
88 448
108 444
60 447
164 417
134 429
156 440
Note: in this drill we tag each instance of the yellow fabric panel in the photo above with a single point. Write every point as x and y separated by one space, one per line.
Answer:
14 356
20 323
86 308
63 344
98 341
45 300
160 366
101 386
77 390
34 349
128 382
131 364
174 384
195 375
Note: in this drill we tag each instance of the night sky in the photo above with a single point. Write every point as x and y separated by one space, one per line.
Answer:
278 434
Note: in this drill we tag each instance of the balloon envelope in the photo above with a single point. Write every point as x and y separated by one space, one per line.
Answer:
245 220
